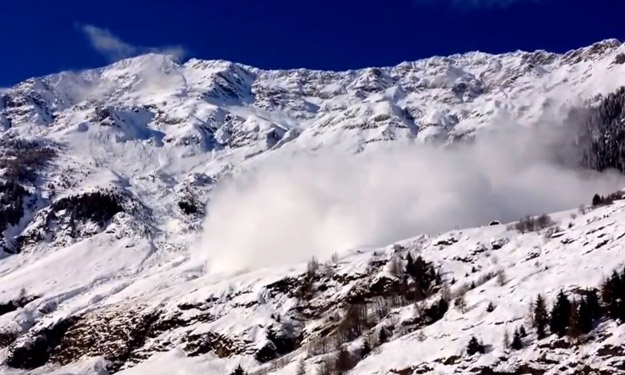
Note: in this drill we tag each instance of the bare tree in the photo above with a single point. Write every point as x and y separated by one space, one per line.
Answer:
420 336
506 339
582 209
22 295
311 267
526 224
460 303
324 367
319 346
328 270
379 307
353 324
445 292
501 277
573 330
544 221
301 368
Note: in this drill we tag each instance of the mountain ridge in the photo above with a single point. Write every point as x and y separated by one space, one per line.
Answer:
109 175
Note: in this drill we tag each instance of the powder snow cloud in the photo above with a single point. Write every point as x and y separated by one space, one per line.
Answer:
288 208
114 48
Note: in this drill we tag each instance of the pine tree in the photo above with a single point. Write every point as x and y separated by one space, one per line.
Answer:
474 346
461 303
540 317
620 297
596 200
611 291
366 348
344 361
560 315
592 302
522 331
424 275
382 338
410 267
238 371
517 342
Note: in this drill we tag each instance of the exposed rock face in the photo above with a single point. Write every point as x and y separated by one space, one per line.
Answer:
34 349
77 217
603 133
12 204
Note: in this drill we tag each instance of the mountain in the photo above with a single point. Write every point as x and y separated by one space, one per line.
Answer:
106 176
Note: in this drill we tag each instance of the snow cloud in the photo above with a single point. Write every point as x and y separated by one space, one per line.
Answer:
289 207
114 48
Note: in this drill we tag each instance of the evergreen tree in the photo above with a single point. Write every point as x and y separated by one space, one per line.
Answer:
437 310
610 291
423 274
517 342
592 302
522 331
540 317
596 200
366 349
474 346
560 315
620 297
344 361
410 266
238 371
382 338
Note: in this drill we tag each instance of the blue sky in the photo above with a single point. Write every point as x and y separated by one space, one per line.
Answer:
38 37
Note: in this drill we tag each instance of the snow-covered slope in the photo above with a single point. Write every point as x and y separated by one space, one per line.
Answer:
175 318
107 172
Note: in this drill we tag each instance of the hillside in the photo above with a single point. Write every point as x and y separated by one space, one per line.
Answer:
126 249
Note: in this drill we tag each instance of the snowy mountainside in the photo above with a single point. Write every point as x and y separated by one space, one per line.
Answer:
160 130
173 318
106 175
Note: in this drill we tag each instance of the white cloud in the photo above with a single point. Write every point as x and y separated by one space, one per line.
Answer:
108 44
288 208
114 48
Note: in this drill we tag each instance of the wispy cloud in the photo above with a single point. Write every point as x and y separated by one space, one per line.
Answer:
475 3
108 44
114 48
